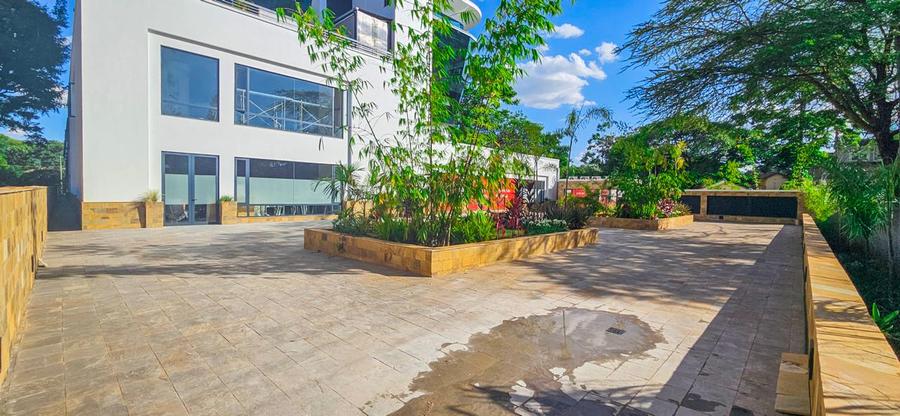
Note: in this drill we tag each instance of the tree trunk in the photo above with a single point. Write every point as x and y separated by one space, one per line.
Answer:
887 146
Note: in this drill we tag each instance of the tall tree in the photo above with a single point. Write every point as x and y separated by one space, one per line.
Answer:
718 56
35 161
32 53
577 119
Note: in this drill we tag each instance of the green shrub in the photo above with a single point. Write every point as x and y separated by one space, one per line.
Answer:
885 322
392 229
545 226
349 223
575 216
590 200
150 196
817 198
226 198
646 175
473 228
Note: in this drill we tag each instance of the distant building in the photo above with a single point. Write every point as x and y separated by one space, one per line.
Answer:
865 153
772 181
578 186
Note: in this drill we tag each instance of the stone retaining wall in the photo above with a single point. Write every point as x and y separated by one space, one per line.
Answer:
111 215
642 224
23 232
854 371
435 261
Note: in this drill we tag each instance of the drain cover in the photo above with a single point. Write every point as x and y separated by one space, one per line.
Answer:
614 330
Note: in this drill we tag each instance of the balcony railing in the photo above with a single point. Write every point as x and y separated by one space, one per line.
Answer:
367 29
367 32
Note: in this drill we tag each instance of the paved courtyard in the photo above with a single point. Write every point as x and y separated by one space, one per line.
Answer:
222 320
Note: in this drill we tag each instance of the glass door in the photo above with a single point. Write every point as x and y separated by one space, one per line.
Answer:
190 188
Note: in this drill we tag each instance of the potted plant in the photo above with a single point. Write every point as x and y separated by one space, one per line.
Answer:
227 210
152 210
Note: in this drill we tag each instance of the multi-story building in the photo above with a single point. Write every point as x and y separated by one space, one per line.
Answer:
204 98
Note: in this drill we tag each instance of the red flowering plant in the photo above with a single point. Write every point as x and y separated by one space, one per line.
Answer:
667 208
511 219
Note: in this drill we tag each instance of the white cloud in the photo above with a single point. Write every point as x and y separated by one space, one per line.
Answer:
556 80
566 31
15 134
543 48
606 52
584 52
63 95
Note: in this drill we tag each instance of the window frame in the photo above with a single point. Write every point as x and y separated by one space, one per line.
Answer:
334 207
338 102
218 83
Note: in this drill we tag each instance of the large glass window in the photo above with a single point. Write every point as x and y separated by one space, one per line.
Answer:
266 99
190 85
269 188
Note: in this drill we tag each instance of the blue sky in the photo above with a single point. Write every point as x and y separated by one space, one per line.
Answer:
576 69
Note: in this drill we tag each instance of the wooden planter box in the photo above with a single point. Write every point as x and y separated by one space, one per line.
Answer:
152 215
642 224
435 261
228 212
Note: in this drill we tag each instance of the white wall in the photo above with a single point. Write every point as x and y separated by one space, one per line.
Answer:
117 131
123 130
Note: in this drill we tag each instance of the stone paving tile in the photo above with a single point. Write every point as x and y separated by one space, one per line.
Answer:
240 320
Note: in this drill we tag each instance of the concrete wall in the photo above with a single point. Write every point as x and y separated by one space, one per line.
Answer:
23 231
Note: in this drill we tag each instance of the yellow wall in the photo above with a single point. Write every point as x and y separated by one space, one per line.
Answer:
854 371
431 261
23 231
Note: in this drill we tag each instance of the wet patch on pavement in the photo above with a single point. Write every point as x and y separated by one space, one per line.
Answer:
528 364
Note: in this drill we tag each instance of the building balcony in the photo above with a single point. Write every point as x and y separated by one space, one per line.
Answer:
367 32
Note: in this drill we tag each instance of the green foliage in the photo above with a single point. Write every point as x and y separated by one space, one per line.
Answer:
349 223
714 151
576 120
445 154
545 226
34 161
590 200
885 322
859 196
646 175
32 53
790 139
392 229
570 171
344 183
150 196
817 198
473 228
668 208
575 216
741 56
226 198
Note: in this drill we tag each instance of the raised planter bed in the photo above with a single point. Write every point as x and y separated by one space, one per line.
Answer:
435 261
642 224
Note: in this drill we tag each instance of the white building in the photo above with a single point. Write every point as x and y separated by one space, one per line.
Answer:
204 98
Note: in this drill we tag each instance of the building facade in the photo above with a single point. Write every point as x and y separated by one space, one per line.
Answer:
200 99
